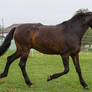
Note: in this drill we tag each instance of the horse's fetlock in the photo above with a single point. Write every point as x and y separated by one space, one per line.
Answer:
3 75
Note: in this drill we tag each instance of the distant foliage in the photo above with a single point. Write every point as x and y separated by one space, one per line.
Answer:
87 39
1 29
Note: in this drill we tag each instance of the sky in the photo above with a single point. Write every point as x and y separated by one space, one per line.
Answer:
48 12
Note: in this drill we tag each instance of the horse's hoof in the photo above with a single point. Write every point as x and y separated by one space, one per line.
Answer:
32 86
49 78
87 87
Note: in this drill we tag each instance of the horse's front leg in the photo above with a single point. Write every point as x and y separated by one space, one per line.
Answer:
65 60
78 70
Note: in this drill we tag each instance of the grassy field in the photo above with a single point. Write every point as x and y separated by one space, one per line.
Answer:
39 66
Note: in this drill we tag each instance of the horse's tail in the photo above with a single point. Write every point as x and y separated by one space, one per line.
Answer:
7 42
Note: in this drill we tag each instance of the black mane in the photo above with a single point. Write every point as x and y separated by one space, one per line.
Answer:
80 15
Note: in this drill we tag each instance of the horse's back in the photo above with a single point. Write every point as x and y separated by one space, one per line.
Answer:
46 39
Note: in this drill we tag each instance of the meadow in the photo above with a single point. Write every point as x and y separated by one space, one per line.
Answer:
39 66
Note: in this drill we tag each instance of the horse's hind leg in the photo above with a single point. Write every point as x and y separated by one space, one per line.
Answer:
65 60
22 65
10 59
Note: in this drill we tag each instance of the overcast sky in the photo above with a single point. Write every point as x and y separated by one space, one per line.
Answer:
49 12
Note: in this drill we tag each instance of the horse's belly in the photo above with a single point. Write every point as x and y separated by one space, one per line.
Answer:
47 48
47 51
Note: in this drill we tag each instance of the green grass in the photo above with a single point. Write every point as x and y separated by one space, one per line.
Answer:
39 67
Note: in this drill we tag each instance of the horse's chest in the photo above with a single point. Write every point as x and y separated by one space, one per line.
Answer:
76 48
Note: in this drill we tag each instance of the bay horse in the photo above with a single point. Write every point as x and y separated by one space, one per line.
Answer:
63 39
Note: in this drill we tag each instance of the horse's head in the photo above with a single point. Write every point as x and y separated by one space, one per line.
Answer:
88 19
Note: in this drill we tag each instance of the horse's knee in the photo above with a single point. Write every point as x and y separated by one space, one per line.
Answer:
66 70
9 58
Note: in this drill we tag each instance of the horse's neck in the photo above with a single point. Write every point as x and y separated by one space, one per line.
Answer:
80 31
77 29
